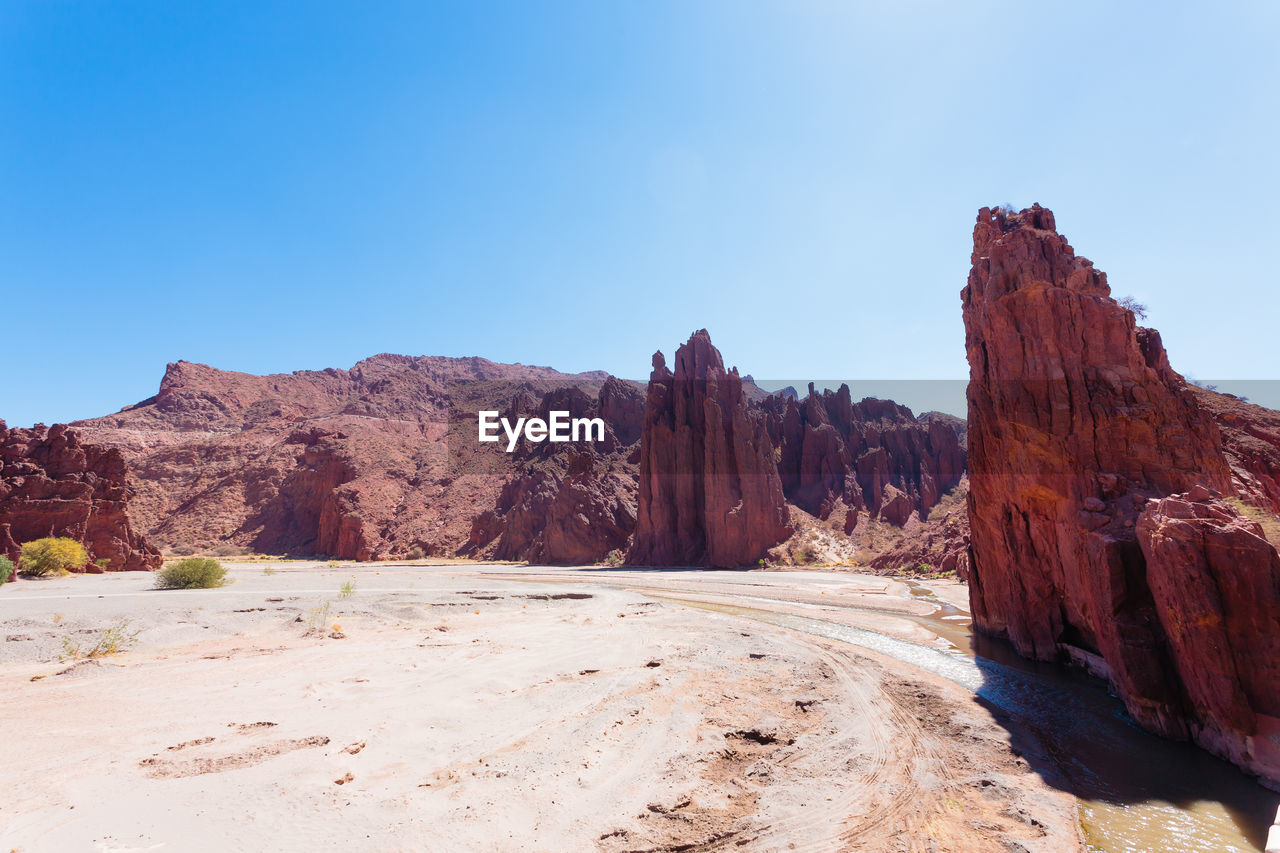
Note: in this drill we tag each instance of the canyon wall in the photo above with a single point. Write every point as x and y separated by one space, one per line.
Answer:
1078 432
709 491
52 484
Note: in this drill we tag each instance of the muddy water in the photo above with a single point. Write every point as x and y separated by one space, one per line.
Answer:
1137 792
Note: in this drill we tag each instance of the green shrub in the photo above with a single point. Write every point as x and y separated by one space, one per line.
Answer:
192 573
6 569
51 556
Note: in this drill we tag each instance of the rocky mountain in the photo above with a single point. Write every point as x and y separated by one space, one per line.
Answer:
53 484
1099 478
382 461
373 462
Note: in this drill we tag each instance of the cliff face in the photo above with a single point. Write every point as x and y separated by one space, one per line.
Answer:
377 461
53 485
1076 423
874 456
1215 580
574 503
709 492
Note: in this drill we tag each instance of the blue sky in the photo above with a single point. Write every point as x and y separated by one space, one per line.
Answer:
278 186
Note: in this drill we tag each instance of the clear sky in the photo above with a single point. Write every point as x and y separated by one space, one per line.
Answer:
270 187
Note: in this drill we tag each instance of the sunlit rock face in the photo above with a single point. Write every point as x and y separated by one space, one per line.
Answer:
1076 424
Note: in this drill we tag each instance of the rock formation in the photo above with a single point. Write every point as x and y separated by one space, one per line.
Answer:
1215 580
873 456
574 503
51 484
1076 422
374 462
709 493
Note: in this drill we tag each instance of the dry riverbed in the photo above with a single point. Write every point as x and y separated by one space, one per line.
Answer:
494 708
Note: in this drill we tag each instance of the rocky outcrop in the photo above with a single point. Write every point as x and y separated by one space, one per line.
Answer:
572 503
1076 422
873 456
51 484
374 462
1250 443
1215 581
937 543
709 491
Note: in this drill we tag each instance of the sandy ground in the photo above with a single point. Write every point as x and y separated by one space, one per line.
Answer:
492 708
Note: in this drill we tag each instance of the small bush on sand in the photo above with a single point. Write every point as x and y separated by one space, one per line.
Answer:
51 556
112 641
268 570
348 589
192 573
183 550
318 618
6 569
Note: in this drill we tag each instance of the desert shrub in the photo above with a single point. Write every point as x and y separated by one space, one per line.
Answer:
192 573
102 562
417 553
112 641
348 589
51 556
6 569
183 550
318 618
1139 310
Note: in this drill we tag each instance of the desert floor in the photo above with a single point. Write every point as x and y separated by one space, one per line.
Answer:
474 707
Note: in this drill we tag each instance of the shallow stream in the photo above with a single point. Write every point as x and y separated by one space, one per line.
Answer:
1137 792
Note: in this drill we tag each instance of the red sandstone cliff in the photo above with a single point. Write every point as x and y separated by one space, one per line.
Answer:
709 494
373 462
52 484
1076 423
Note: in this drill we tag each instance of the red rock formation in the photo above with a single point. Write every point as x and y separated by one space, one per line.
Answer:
1076 420
709 488
1215 580
53 485
834 450
569 504
374 462
939 543
1251 444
